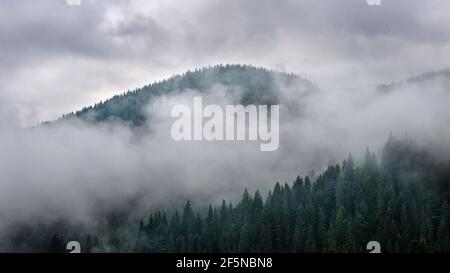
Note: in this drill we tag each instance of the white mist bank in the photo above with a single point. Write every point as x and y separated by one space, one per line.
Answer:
66 170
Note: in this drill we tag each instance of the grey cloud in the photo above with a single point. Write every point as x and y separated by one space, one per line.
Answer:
337 44
73 170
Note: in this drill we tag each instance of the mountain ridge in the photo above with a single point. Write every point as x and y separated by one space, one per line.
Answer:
258 86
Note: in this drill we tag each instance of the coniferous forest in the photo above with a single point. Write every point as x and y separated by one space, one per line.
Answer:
400 200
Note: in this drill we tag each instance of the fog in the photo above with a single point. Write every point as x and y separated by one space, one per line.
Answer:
77 171
55 59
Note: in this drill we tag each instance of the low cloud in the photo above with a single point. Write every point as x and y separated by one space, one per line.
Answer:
77 171
56 58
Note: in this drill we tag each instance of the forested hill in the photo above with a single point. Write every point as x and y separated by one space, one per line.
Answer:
255 85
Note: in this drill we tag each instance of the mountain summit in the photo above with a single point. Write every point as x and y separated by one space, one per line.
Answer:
256 86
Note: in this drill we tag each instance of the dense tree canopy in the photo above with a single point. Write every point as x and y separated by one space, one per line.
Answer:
402 202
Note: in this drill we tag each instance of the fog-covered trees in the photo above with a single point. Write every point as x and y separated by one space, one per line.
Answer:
401 202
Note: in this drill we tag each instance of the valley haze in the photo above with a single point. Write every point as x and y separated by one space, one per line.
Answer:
87 94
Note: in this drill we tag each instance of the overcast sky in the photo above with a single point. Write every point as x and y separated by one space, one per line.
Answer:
56 58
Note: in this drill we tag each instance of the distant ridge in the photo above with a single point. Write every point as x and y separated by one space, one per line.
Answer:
258 85
421 78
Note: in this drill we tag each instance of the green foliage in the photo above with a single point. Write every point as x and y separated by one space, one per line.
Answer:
399 202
